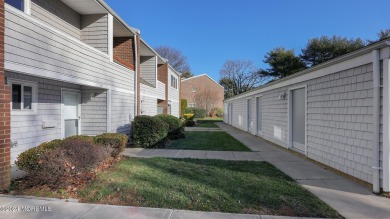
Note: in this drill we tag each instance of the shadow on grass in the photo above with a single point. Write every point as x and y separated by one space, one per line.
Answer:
205 185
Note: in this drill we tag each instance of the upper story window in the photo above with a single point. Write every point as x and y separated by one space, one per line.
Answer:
173 81
19 4
23 97
194 89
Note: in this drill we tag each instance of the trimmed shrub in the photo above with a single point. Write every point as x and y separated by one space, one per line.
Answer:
216 112
183 105
175 129
188 116
190 123
198 112
70 162
149 132
117 142
29 160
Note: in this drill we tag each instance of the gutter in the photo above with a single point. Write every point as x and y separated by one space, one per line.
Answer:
136 75
376 121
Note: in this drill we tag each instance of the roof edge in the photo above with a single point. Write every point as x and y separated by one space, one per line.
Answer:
356 53
201 76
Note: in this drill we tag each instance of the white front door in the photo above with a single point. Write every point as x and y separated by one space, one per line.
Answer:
259 117
298 119
249 115
71 112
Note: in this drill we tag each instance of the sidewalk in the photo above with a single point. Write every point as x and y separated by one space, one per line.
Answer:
54 208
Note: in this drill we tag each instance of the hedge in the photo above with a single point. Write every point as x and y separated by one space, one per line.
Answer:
117 142
30 159
198 112
175 127
149 132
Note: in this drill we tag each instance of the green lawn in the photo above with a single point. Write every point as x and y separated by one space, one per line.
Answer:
204 185
209 122
212 141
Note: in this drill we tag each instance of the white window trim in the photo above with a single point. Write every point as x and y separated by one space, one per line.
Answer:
176 82
34 104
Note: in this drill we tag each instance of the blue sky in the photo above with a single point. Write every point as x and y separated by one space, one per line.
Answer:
209 32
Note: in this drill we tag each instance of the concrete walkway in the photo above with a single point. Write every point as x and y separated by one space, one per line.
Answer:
202 129
12 207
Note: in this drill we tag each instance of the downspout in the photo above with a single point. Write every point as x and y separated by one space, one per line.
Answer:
136 75
376 121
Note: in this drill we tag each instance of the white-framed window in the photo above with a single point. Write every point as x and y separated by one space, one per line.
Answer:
18 4
23 97
191 105
194 89
173 81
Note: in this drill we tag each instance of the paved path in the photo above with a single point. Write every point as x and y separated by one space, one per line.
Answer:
195 154
11 207
202 129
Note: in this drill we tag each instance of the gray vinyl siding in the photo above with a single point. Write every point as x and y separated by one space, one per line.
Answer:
93 111
62 62
122 112
160 90
94 31
149 69
28 129
339 119
149 96
173 94
37 47
148 106
58 15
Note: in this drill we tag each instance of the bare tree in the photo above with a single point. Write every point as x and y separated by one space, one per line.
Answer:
206 99
238 76
175 58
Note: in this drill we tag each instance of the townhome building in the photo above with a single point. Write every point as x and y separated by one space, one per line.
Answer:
74 68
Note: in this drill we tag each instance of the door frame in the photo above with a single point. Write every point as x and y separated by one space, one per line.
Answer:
290 134
65 90
257 120
248 112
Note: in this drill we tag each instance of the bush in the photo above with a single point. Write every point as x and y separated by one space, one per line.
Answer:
117 142
69 163
29 160
183 105
198 112
175 129
188 116
190 123
149 132
216 112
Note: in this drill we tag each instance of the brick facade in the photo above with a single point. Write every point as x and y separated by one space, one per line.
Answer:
5 115
162 76
123 51
200 83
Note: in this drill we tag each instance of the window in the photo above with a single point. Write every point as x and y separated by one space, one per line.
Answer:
173 82
191 105
194 89
23 97
19 4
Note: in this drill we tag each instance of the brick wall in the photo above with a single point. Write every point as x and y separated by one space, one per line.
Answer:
162 75
123 49
5 117
200 83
